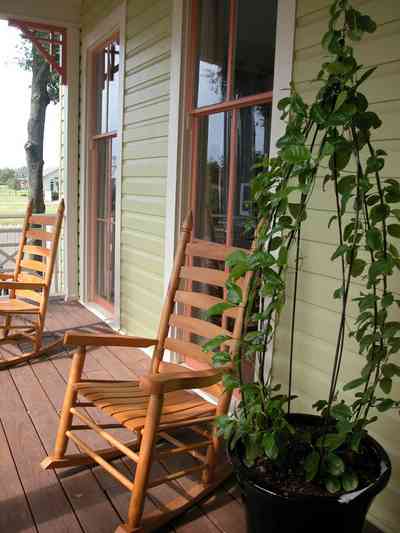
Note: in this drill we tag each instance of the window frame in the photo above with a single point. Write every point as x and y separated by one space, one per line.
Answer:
230 104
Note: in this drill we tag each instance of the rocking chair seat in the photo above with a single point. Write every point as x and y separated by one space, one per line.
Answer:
127 403
14 306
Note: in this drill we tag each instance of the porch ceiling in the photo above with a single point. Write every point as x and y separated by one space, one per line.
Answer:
61 12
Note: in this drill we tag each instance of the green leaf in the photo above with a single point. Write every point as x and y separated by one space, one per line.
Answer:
387 299
283 256
218 309
275 243
230 382
340 159
327 39
396 213
295 154
311 465
386 385
335 465
353 384
235 294
332 484
379 213
238 256
270 447
378 268
215 343
385 405
341 411
366 23
349 481
318 114
221 358
331 441
298 212
367 120
355 441
374 239
339 293
394 230
340 251
346 184
357 268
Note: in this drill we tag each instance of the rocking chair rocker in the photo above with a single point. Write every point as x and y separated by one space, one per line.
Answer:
29 286
162 401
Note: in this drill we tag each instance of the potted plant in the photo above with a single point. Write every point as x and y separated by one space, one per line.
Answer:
313 473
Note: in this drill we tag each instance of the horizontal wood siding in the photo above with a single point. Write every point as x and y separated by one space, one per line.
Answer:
144 165
317 313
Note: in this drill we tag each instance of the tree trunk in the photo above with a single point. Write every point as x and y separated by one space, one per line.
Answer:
34 146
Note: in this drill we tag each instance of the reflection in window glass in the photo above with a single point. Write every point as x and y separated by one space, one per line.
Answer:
212 186
107 88
213 52
253 142
255 47
113 88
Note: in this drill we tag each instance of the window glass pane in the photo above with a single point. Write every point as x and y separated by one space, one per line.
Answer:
253 142
113 87
255 47
212 186
101 91
213 52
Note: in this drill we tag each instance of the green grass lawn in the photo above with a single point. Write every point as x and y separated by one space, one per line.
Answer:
14 203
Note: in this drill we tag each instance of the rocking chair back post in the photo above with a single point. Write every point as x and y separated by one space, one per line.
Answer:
52 260
172 288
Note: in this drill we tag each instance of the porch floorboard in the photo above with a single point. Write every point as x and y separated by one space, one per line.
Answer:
86 499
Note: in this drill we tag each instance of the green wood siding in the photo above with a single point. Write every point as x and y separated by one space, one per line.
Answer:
144 166
144 156
317 313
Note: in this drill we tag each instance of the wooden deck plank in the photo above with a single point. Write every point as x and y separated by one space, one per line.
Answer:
89 501
15 514
50 507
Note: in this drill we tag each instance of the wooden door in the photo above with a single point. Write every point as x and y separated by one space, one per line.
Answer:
102 198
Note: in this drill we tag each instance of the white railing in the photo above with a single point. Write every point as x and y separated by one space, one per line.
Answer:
10 234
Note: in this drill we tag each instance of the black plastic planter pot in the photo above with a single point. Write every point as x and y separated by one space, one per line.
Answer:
268 512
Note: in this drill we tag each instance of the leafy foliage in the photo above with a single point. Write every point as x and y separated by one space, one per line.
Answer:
334 133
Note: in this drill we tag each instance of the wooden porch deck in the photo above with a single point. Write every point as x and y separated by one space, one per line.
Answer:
87 499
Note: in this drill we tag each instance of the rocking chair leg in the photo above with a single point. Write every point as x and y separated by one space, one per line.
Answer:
69 401
138 495
7 327
214 449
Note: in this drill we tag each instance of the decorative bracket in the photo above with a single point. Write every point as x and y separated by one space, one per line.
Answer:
50 42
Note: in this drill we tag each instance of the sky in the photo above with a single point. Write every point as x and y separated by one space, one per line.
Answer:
14 108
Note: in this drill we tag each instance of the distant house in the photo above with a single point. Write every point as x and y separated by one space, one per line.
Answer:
51 185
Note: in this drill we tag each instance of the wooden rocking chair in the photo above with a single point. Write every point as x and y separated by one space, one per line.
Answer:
28 287
162 401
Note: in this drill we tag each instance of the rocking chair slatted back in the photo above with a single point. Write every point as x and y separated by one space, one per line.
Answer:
192 291
37 252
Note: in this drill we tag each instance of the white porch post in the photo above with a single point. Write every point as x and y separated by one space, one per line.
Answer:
71 122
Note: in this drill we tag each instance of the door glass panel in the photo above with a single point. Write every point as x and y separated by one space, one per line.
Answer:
255 47
253 138
212 186
213 52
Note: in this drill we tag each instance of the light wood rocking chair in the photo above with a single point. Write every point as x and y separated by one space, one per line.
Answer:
163 400
29 285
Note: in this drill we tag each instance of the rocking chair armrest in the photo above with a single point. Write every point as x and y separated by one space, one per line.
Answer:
173 381
21 285
75 338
